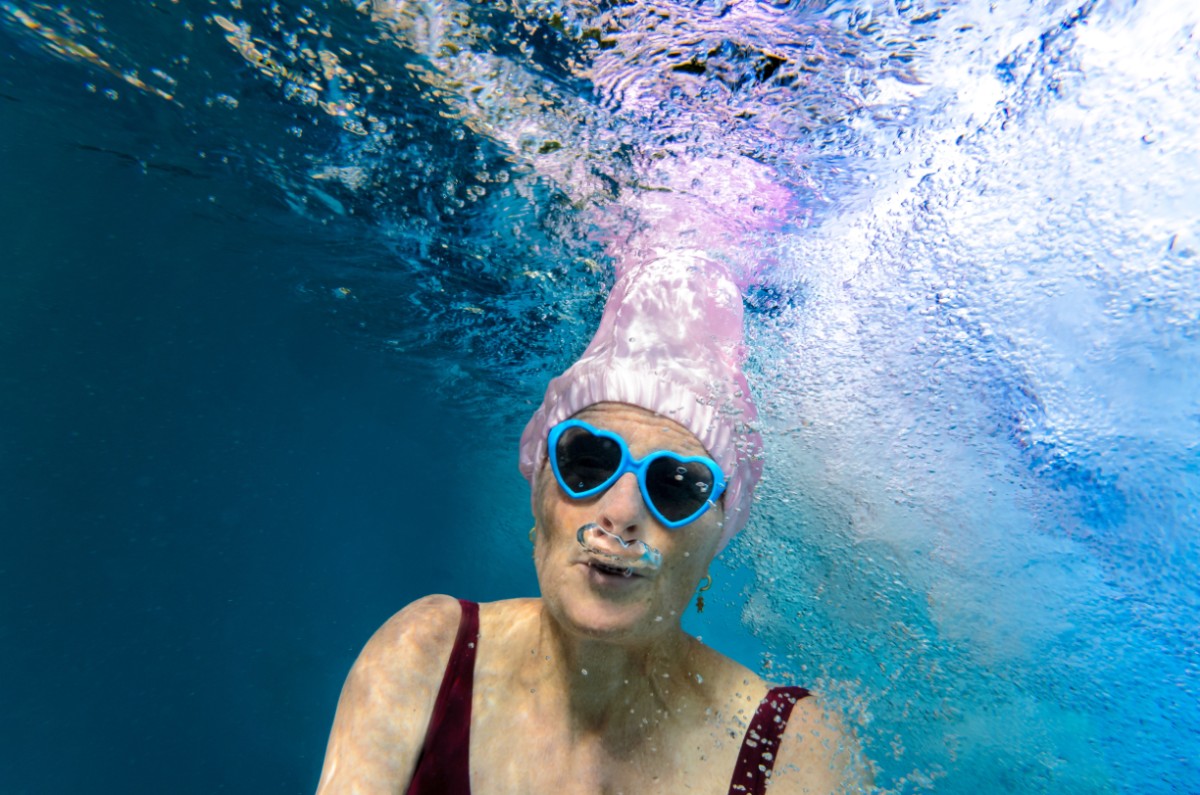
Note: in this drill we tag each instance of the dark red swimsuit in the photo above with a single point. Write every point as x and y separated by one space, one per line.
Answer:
443 767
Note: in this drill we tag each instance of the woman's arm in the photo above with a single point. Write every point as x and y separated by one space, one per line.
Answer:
388 697
818 756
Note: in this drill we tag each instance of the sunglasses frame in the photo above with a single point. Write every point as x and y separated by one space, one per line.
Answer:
638 467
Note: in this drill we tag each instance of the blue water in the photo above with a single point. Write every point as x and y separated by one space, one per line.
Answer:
264 362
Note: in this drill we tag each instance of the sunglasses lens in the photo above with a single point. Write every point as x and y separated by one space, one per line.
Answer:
679 488
585 460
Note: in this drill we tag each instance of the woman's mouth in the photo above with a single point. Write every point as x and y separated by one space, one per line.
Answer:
611 570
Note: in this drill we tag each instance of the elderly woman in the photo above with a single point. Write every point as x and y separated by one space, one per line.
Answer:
642 463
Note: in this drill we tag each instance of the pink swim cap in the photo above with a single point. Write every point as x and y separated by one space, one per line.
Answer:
670 341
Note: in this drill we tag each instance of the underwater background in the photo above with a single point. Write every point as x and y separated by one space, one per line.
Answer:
280 284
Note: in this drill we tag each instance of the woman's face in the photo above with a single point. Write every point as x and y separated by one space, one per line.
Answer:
601 605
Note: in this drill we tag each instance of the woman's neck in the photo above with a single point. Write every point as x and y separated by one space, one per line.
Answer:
616 692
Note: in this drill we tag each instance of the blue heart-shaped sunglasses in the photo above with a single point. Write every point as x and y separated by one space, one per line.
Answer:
677 489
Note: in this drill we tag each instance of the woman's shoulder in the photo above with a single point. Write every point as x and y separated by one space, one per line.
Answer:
411 642
816 752
429 622
387 698
727 679
407 654
421 636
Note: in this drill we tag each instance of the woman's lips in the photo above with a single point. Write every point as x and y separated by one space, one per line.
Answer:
609 572
610 568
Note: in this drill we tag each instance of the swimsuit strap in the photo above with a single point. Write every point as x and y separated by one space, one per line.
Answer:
443 768
757 757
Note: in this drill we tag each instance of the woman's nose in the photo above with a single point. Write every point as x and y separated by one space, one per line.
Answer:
622 509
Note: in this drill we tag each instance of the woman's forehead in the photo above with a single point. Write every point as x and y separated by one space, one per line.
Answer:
642 428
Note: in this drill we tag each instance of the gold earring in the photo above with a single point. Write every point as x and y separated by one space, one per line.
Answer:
532 533
700 598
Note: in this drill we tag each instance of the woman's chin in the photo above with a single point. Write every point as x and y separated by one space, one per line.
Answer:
604 616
